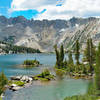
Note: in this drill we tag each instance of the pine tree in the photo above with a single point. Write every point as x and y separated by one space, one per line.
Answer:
97 70
57 57
61 55
90 53
77 53
93 52
87 51
70 59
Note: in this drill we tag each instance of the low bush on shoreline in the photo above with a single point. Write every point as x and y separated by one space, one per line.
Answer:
60 72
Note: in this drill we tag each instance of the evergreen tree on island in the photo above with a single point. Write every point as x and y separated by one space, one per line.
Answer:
77 53
97 71
59 57
70 59
90 53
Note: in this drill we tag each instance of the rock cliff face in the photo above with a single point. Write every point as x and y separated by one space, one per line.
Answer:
91 29
45 34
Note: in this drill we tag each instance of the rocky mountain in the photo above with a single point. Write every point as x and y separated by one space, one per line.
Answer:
43 35
91 29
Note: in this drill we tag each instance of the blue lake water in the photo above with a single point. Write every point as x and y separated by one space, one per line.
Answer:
8 63
52 91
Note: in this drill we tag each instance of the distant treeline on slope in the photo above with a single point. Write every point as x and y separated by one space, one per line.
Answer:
17 49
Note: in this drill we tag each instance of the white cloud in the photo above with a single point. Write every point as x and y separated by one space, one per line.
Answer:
17 5
69 8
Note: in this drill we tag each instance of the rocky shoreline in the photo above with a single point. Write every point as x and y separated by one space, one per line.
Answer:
81 76
23 81
19 82
28 80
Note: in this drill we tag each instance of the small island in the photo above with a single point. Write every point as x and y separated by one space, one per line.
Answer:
44 76
31 63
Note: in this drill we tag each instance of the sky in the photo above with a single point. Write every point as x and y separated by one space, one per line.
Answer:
50 9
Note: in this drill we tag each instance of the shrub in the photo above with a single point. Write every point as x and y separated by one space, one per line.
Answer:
31 62
46 72
3 82
60 72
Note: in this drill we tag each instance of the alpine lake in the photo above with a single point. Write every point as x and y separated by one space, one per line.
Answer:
54 90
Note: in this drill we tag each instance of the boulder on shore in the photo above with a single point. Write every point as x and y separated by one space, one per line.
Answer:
24 78
15 88
16 77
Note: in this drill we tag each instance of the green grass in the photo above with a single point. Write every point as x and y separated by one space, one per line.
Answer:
43 79
0 98
84 97
46 78
19 83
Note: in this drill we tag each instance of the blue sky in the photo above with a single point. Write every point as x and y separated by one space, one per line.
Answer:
50 9
5 6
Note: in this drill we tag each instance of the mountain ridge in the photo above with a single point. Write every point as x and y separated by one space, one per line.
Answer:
42 35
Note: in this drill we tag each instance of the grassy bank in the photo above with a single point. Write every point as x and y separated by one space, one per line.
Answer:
0 98
84 97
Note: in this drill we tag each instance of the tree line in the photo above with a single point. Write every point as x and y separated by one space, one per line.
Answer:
89 57
90 62
18 49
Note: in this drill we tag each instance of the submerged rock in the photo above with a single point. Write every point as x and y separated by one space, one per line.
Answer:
15 88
